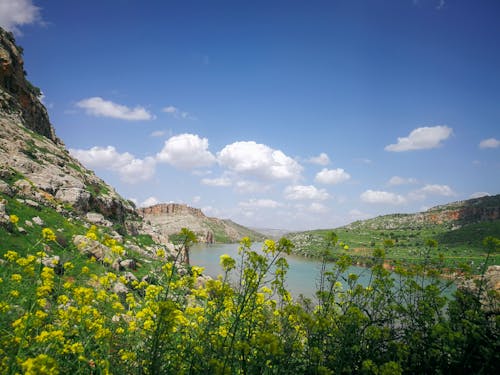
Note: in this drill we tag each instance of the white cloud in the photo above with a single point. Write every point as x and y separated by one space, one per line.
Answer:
317 208
303 192
479 194
431 189
489 143
377 196
102 157
396 180
138 170
434 189
14 13
332 176
258 160
196 199
177 113
321 159
159 133
356 214
422 138
99 107
246 186
151 201
186 151
219 181
260 203
130 169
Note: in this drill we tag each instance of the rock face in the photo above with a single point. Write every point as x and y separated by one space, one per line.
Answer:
171 209
170 218
17 96
454 215
34 163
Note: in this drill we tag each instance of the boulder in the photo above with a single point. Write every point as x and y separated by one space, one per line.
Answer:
37 220
91 247
97 218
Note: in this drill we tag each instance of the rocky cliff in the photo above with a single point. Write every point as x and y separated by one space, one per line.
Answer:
34 163
18 97
452 215
170 218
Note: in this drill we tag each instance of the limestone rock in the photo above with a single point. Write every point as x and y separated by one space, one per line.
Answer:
129 276
120 288
91 247
37 220
128 263
5 188
97 218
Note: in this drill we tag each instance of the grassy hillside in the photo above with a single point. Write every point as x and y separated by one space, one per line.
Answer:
404 236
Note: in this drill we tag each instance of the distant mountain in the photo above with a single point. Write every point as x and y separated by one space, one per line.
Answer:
170 218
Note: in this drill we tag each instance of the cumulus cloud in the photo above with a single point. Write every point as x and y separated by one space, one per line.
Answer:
177 113
422 138
321 159
444 190
151 201
305 192
385 197
317 208
260 203
432 189
130 169
479 194
489 143
97 106
218 181
259 160
186 151
14 13
356 214
246 186
396 180
332 176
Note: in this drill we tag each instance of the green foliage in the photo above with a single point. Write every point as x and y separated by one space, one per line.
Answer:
458 246
70 318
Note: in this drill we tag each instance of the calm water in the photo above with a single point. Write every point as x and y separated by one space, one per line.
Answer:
303 273
302 277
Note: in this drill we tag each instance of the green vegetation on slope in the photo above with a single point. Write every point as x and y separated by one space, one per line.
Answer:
69 316
459 241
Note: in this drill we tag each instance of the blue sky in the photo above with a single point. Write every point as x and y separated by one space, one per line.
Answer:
278 114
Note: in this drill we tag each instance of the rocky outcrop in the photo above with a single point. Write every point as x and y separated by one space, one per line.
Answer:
487 287
171 209
454 215
18 96
170 218
34 163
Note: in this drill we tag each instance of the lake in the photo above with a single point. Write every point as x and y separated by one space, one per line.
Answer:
303 273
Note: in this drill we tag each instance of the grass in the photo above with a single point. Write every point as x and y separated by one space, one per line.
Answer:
462 245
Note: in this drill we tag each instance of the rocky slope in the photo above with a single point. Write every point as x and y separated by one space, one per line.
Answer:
452 215
35 166
169 218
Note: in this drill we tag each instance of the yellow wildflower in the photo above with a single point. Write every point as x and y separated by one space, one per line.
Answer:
16 278
14 219
48 234
11 256
40 365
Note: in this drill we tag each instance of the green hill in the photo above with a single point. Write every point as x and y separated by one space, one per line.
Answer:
459 228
